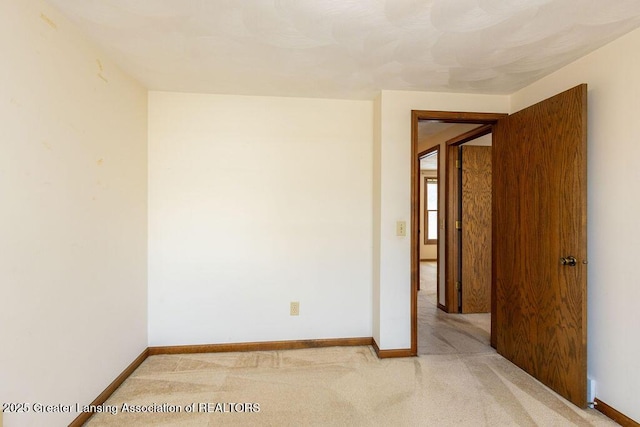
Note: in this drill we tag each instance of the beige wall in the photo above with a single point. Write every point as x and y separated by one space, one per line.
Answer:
74 215
613 208
255 202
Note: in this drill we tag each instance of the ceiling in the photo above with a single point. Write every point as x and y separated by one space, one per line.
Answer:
428 128
347 48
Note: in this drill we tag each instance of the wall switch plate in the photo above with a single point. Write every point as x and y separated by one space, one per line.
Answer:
294 308
401 228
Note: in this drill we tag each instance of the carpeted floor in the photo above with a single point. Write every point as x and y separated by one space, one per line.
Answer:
444 333
457 380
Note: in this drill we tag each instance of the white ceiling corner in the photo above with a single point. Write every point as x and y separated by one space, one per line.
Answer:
347 48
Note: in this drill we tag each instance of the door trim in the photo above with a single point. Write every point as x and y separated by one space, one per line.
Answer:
446 117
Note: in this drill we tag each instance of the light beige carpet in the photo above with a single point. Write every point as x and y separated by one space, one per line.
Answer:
346 386
458 380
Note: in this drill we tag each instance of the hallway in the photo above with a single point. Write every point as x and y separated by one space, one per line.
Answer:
444 333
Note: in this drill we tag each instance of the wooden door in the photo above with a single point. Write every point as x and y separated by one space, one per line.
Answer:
539 221
476 229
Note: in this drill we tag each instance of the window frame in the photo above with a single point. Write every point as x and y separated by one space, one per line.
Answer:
428 241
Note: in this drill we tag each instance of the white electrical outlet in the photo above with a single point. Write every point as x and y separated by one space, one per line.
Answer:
294 308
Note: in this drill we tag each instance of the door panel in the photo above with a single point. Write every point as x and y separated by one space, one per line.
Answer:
476 229
539 217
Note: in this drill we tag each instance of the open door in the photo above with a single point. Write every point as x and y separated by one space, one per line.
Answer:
476 229
540 241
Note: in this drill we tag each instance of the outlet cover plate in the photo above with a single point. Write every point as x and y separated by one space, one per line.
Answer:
294 308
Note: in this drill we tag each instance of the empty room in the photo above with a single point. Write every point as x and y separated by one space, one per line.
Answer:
256 212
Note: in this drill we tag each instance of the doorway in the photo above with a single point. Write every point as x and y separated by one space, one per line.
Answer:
469 123
468 330
539 216
443 329
468 277
429 222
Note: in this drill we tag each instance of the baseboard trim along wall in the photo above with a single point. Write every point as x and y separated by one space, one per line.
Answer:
607 410
261 346
387 354
614 414
219 348
84 416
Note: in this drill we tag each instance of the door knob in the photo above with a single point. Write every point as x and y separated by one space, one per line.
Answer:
571 261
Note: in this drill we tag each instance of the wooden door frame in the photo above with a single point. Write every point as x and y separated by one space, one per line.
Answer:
445 117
